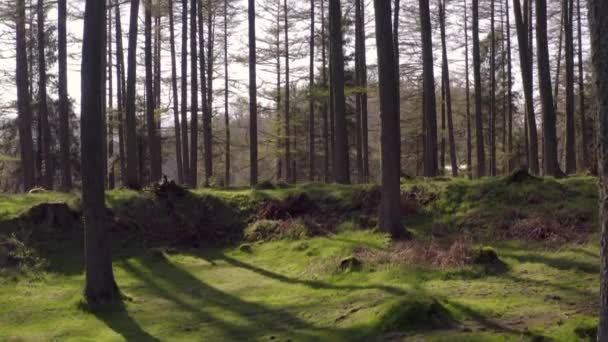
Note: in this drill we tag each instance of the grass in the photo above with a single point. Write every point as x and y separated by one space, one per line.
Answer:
293 290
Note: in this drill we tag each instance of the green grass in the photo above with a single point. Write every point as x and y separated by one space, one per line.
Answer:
293 289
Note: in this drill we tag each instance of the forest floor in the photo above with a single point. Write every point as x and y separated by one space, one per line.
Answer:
491 260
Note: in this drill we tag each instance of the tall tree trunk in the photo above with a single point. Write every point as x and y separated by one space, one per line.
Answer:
396 19
208 105
509 92
100 285
43 111
207 138
430 113
253 101
326 142
362 78
559 59
184 96
176 124
64 115
132 161
481 156
359 36
567 7
226 104
581 93
121 86
447 91
311 99
111 119
390 211
492 91
26 144
194 96
279 106
287 142
154 150
522 28
551 163
468 94
598 12
341 172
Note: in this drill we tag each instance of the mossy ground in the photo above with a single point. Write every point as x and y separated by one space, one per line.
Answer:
294 290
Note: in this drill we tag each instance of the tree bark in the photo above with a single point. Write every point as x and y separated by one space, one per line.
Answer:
447 91
111 118
551 164
585 162
207 134
208 100
522 28
567 7
176 124
154 149
43 111
598 12
509 92
253 101
226 104
341 172
193 97
287 140
100 285
430 112
26 144
326 142
492 91
184 95
311 99
362 81
468 95
64 115
132 163
390 211
121 86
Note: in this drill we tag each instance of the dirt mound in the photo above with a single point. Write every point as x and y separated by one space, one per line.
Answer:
520 176
292 207
554 229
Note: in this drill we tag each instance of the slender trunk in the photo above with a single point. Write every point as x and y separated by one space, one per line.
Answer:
64 115
585 162
341 171
226 105
43 111
559 59
194 96
132 162
390 211
522 27
100 285
311 104
279 108
155 167
253 102
447 91
492 91
468 94
176 124
551 163
26 144
396 48
184 96
121 86
207 137
208 105
359 36
570 99
509 92
287 122
430 113
111 119
326 151
481 156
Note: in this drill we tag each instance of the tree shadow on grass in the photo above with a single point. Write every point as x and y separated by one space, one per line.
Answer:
206 304
315 284
559 263
117 318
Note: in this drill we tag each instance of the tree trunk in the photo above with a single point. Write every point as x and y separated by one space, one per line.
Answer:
26 144
132 163
492 92
176 124
120 77
100 285
226 105
468 95
585 162
64 115
362 81
111 119
208 104
447 91
551 164
154 150
430 113
207 138
526 73
341 172
43 111
287 141
326 143
509 92
390 211
193 97
311 99
184 95
567 7
253 101
598 12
